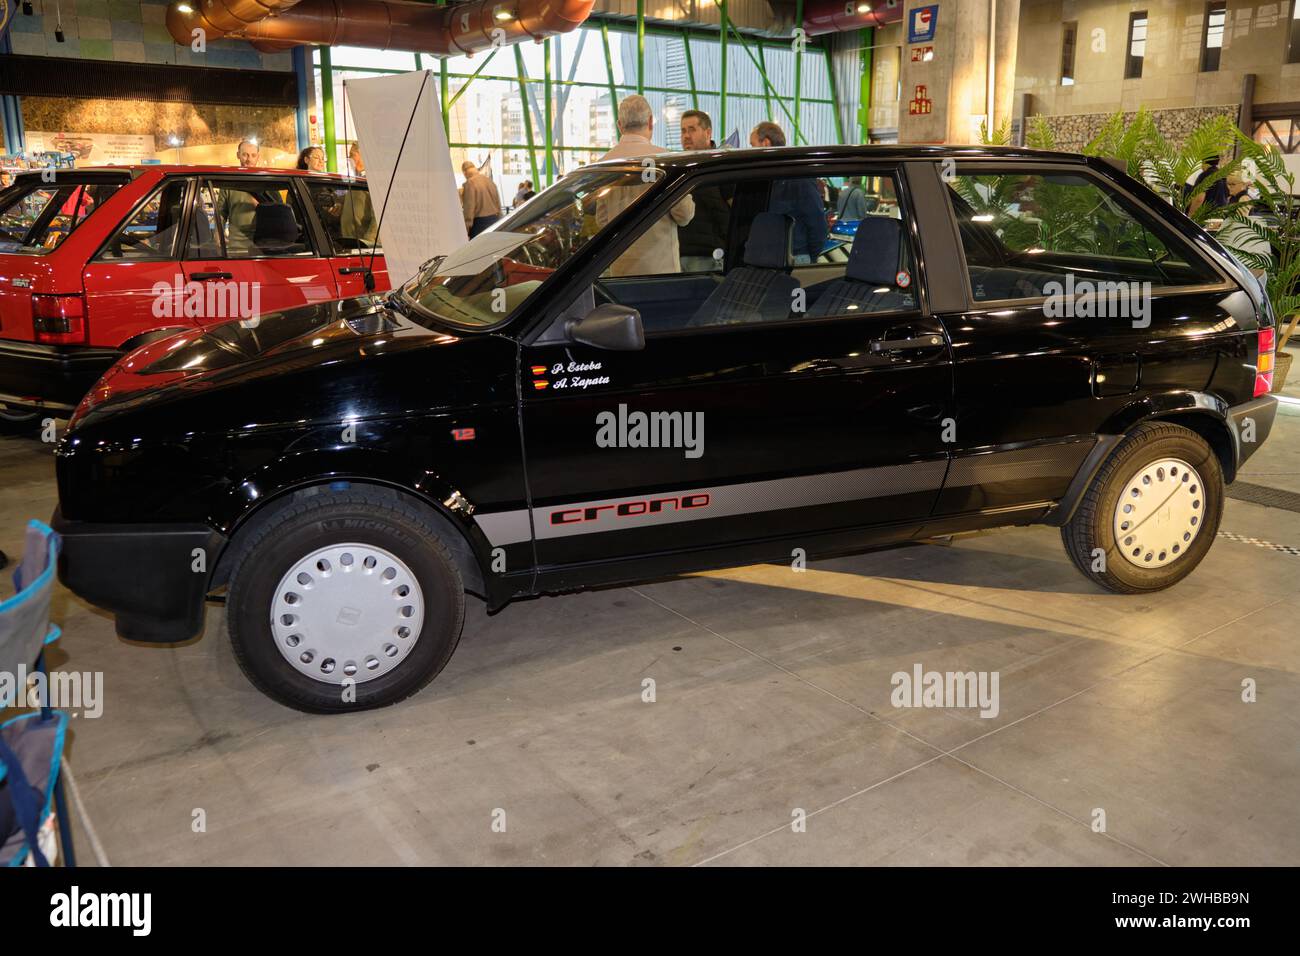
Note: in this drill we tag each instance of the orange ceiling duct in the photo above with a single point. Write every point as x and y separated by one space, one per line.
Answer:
218 18
380 24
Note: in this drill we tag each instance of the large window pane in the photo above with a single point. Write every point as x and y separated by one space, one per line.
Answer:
365 57
707 59
780 67
583 55
817 124
665 62
742 72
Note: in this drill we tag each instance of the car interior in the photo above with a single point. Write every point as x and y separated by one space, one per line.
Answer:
1117 246
762 276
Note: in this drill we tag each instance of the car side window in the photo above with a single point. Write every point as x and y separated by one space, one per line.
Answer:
151 232
347 215
1027 234
238 219
780 249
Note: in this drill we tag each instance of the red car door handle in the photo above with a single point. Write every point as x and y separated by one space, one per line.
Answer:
200 276
352 270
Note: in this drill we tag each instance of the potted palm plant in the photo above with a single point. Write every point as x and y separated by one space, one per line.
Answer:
1264 234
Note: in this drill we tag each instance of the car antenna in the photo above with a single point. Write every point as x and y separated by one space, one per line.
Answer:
374 248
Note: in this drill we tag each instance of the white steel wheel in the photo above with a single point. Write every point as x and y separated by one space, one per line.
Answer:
1159 513
347 612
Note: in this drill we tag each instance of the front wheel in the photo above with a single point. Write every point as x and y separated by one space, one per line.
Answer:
1151 513
344 601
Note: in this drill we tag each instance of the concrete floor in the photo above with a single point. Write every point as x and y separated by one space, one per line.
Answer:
773 693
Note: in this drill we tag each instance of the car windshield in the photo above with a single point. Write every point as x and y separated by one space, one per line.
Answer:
36 216
485 281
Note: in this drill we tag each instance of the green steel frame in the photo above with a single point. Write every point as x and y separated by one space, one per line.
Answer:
726 35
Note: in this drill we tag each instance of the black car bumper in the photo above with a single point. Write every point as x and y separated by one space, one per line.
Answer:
1251 422
153 578
49 378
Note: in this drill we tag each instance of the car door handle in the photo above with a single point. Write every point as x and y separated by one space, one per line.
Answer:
200 276
353 270
895 345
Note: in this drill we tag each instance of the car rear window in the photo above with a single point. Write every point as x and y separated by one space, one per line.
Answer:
35 216
1025 232
347 215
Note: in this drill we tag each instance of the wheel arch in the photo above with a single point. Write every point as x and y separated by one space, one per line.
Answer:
457 533
1200 412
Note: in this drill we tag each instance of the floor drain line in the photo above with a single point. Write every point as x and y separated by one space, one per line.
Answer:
1260 543
1264 495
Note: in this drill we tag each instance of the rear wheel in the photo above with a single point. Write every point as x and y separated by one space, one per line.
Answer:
1151 513
344 601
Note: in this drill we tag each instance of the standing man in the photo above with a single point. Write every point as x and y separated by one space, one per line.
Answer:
797 198
479 200
358 164
706 233
656 252
852 204
237 208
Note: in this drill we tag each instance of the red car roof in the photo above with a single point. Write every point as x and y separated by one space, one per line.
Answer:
182 168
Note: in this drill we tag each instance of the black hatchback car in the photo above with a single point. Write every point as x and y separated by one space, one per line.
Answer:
1016 337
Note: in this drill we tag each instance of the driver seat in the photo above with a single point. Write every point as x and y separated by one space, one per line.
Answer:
762 289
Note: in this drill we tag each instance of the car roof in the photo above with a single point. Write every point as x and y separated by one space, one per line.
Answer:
705 159
137 169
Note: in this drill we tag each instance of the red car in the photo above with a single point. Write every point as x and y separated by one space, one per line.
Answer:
96 262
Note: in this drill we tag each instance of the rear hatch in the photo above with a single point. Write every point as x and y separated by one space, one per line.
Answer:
37 286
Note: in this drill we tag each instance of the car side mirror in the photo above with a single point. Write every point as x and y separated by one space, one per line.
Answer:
613 327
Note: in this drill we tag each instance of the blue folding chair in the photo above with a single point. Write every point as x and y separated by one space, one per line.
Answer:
31 745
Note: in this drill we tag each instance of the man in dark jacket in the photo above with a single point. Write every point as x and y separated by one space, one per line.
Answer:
797 198
706 234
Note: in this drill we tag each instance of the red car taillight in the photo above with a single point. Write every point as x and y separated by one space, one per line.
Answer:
59 319
1264 364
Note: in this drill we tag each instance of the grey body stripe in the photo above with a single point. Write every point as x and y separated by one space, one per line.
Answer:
511 527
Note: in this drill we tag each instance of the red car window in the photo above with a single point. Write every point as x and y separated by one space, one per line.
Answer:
36 217
151 232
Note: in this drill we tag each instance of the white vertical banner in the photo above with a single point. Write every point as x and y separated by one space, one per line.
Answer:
412 185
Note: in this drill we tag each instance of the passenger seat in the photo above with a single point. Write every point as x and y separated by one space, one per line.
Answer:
870 282
761 289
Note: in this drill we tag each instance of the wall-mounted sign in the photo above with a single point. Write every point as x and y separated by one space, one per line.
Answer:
921 23
920 104
922 54
94 149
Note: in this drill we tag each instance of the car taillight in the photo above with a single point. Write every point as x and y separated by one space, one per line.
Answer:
59 319
1264 364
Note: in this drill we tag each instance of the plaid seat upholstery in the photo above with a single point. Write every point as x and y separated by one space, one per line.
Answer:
869 282
760 290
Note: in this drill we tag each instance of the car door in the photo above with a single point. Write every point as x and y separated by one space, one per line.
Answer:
350 227
1077 305
252 249
807 418
133 283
